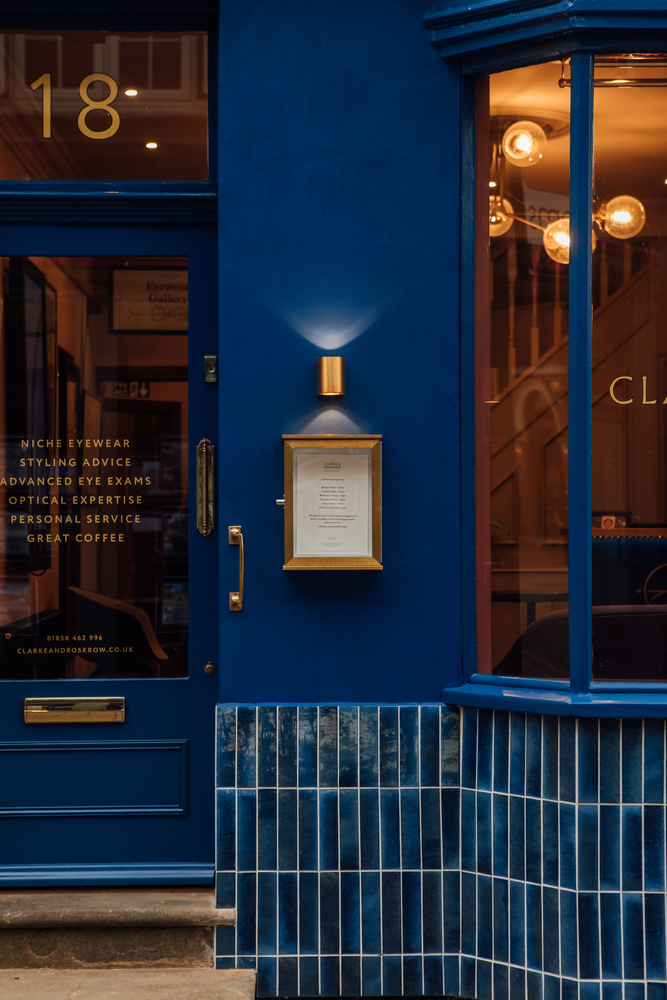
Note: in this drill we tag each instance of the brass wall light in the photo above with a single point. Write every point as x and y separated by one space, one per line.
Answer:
330 376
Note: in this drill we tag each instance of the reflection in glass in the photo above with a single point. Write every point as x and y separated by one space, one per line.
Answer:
93 468
522 374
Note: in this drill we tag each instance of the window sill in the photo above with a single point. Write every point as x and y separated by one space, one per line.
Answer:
528 694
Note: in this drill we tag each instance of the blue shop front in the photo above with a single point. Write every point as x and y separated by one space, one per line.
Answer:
403 446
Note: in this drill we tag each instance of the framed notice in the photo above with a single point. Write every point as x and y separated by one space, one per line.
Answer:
333 501
148 300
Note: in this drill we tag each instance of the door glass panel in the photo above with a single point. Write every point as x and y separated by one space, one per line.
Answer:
95 105
94 467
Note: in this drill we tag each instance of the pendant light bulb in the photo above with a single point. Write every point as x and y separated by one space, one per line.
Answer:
556 239
501 215
524 143
624 217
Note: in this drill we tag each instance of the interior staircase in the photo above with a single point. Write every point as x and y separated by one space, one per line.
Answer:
115 944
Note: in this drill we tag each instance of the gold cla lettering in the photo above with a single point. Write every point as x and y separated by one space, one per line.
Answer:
621 378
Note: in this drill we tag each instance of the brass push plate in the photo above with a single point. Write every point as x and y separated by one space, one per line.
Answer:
74 709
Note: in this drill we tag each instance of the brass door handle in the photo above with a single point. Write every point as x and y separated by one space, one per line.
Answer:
205 487
235 536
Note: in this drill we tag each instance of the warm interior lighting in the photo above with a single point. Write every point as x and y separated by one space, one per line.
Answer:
151 145
524 143
623 216
131 93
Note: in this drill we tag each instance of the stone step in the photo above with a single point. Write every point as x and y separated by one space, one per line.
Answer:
127 984
95 907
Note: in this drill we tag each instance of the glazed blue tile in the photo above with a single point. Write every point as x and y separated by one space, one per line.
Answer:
468 830
246 912
569 990
226 963
634 991
412 976
612 991
588 847
610 760
500 835
267 912
501 739
551 985
517 984
568 935
409 745
287 828
368 747
309 977
429 746
328 830
533 840
432 912
308 829
568 846
267 980
391 912
533 926
610 935
329 977
631 760
567 759
350 976
469 747
410 832
226 747
656 991
449 799
452 975
589 937
287 746
348 747
451 905
654 760
500 920
328 747
307 746
411 899
267 829
632 862
388 747
225 940
633 936
610 847
246 742
371 977
654 923
517 838
226 806
287 913
267 747
550 842
349 829
371 941
484 833
654 848
517 923
468 977
517 753
534 755
501 982
369 827
350 927
484 917
589 991
550 930
468 914
484 749
308 909
433 976
484 981
392 976
246 841
288 977
225 889
533 986
329 913
450 725
390 828
550 756
587 760
431 853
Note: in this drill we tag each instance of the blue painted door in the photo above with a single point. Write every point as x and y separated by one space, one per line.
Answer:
107 802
